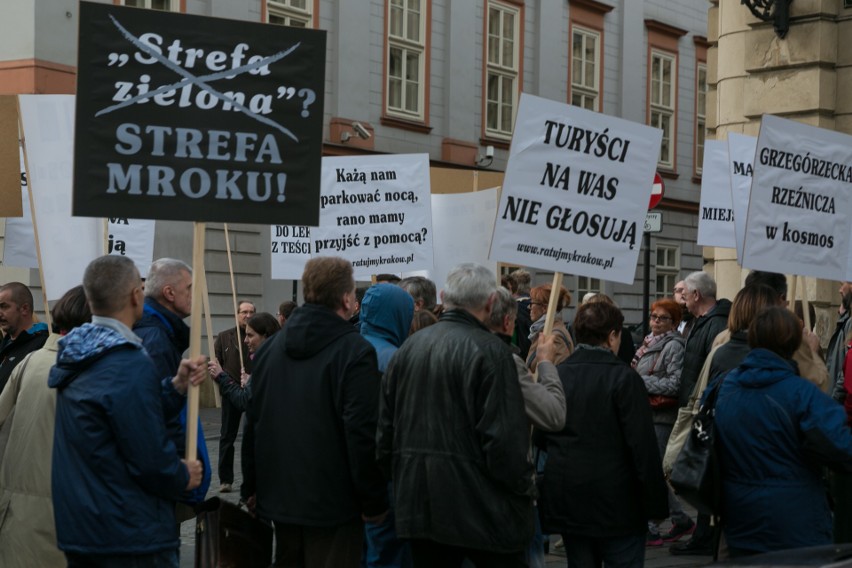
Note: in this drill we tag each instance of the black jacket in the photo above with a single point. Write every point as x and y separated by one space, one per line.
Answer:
12 351
603 476
452 429
313 409
698 345
729 356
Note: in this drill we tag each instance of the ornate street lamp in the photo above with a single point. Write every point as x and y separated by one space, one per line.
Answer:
777 11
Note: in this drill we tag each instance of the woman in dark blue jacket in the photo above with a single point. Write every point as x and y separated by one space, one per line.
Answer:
775 432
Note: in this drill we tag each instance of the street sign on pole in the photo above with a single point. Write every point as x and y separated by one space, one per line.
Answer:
653 222
657 191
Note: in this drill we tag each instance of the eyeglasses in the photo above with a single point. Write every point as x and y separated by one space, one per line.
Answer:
655 317
539 304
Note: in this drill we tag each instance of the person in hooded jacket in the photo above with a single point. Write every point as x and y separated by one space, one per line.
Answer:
775 431
386 314
22 334
315 444
115 471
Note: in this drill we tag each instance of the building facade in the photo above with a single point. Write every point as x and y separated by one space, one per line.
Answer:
444 77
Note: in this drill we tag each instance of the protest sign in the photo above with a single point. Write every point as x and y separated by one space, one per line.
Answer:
716 221
376 212
133 238
67 244
19 241
290 249
741 166
462 224
576 191
799 212
196 118
10 166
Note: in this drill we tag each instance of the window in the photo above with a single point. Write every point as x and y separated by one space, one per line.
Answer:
668 267
295 13
662 98
700 114
585 68
167 5
406 58
586 284
502 69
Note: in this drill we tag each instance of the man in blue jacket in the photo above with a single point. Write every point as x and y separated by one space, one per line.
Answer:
115 471
168 300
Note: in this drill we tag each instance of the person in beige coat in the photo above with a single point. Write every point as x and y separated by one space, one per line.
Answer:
539 298
27 408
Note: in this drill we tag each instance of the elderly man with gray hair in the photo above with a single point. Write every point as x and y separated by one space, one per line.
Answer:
454 438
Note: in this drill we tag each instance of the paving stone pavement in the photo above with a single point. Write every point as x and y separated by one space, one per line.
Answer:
658 557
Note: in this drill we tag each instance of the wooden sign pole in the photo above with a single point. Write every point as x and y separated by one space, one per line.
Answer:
208 324
551 305
806 308
195 337
234 298
33 215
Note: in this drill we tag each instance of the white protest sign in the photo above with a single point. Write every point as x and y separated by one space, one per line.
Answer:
133 238
290 249
463 224
741 156
576 191
716 221
67 243
375 211
799 211
19 242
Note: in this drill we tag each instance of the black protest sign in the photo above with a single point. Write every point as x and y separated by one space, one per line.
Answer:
192 118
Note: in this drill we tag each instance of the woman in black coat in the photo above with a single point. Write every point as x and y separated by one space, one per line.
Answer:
603 479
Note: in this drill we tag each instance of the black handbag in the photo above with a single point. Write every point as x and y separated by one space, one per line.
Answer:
696 476
228 537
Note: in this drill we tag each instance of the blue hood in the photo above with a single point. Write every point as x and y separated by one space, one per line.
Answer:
762 368
80 348
386 314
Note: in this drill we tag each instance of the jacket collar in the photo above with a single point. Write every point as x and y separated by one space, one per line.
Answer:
459 315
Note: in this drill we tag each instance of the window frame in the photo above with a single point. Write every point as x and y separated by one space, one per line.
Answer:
407 45
659 108
502 71
700 117
283 9
663 41
581 290
665 271
174 5
593 92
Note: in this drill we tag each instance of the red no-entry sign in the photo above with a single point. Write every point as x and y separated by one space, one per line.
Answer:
657 191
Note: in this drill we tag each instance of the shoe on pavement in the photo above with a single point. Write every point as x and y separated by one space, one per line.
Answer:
679 530
692 547
225 488
653 539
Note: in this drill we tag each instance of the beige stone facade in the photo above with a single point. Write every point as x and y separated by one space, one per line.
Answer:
806 76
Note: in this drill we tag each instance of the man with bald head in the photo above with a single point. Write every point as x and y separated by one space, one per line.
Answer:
22 334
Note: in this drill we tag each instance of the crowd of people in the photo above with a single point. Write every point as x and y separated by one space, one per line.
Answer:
392 426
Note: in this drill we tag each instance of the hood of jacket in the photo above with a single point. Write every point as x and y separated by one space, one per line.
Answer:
310 329
720 310
155 314
386 313
80 348
761 368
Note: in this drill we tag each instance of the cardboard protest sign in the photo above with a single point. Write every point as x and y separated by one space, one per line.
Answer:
799 211
195 118
462 224
716 221
133 238
10 166
67 243
19 241
741 166
576 191
376 212
290 249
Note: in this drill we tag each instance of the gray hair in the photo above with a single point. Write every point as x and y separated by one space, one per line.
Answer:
164 272
421 289
107 283
469 286
504 305
702 282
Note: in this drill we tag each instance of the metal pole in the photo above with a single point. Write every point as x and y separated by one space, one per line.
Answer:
646 285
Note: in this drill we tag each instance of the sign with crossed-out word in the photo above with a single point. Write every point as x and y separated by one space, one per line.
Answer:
197 119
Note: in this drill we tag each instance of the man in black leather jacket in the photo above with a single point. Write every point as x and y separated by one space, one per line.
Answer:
454 436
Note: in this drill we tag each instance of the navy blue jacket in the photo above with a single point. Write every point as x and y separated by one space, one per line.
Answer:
115 472
776 430
386 314
166 337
